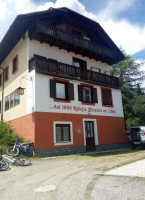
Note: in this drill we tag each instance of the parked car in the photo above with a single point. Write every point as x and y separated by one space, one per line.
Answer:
137 136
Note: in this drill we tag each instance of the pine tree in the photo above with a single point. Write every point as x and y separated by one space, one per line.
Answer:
133 96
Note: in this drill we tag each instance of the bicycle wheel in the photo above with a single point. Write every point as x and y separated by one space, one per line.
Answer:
30 152
12 151
22 161
4 165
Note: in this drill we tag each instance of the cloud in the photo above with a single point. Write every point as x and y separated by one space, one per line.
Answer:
130 37
114 7
9 9
72 4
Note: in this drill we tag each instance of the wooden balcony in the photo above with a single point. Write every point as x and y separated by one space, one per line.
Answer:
64 40
58 69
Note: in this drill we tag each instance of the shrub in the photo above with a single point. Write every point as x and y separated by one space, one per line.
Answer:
7 136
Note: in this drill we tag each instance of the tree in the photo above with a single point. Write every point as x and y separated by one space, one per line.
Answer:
133 96
129 72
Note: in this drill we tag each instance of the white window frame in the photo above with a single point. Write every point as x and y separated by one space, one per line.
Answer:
71 133
64 84
95 130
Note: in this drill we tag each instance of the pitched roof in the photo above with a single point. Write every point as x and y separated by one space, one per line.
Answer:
22 23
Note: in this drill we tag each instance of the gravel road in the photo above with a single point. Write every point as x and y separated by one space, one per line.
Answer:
73 177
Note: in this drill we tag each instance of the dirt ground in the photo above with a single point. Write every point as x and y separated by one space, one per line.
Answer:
75 177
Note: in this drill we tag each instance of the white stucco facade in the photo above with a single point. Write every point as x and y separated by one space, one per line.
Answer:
39 95
37 86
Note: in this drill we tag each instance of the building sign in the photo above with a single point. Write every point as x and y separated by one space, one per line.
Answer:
81 109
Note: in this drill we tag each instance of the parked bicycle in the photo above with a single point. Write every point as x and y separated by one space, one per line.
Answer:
22 161
20 148
3 164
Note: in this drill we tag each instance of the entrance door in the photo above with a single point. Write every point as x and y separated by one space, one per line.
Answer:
90 138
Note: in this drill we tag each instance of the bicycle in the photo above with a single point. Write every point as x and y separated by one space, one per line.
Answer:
22 161
3 164
20 148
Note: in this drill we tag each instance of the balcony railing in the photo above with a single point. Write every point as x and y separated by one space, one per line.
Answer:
54 68
58 37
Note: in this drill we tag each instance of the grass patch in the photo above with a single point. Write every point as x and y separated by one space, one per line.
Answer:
36 158
139 178
122 164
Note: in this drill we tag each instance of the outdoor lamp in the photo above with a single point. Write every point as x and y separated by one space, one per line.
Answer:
21 90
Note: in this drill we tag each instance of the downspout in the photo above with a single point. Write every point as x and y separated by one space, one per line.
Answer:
2 103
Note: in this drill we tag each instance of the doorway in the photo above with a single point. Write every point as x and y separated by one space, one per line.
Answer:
89 135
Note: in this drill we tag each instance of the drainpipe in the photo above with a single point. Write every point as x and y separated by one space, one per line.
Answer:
2 103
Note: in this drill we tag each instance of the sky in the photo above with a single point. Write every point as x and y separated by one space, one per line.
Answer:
123 20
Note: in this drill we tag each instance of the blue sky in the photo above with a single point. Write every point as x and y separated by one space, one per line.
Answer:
123 20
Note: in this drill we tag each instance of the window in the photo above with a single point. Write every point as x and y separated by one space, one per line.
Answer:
15 65
87 94
6 73
61 90
107 97
12 100
7 102
63 133
79 63
17 98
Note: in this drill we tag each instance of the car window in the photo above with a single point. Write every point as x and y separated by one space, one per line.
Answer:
138 129
135 129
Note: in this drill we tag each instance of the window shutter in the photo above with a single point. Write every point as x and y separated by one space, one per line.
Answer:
104 96
84 64
95 96
70 91
107 98
80 92
52 88
6 73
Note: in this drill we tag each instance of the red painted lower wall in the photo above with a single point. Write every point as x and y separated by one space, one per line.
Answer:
38 127
25 126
